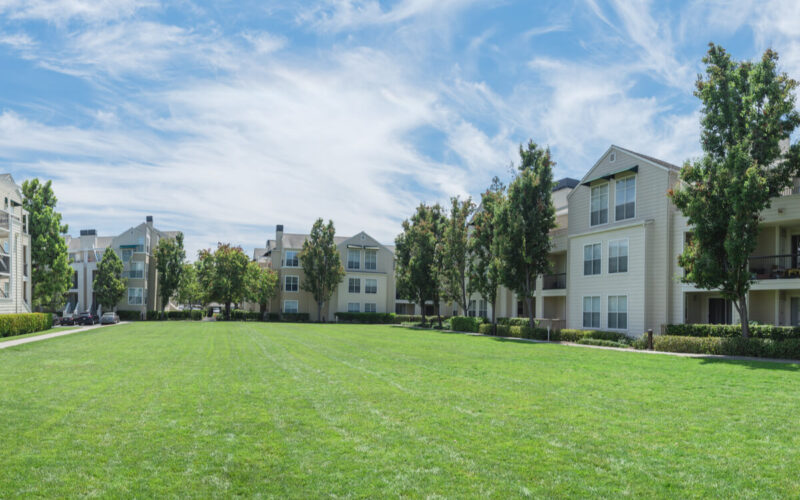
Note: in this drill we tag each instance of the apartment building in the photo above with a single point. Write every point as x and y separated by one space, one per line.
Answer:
15 250
136 247
368 284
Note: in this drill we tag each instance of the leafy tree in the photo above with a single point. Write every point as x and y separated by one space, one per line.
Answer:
262 285
418 257
225 275
204 268
525 222
109 285
748 109
51 274
190 292
455 252
321 264
486 265
169 264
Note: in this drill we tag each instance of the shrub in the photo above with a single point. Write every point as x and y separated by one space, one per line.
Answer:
19 324
729 346
273 317
365 317
295 317
568 335
465 324
756 331
129 315
600 342
196 315
576 335
512 321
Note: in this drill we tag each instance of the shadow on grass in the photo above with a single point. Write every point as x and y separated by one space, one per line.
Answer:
756 363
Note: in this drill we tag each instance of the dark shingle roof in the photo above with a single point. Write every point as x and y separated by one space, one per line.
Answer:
566 182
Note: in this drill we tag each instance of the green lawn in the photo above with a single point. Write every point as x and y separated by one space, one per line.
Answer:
43 332
284 410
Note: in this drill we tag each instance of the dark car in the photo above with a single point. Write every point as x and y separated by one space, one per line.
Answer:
109 318
67 320
85 318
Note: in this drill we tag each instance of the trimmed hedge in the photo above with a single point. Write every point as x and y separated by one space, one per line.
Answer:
577 335
465 323
129 315
20 324
601 342
513 321
242 315
366 317
756 331
729 346
294 317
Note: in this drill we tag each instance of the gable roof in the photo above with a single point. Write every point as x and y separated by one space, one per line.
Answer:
651 159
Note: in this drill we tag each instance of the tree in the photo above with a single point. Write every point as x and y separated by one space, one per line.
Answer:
225 275
525 222
486 265
262 285
748 109
51 274
418 257
169 264
109 285
321 264
190 292
455 248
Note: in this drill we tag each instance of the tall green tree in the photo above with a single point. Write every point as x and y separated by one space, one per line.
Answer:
109 285
227 275
169 264
525 222
190 292
455 252
485 264
262 285
204 269
748 109
321 264
418 257
51 274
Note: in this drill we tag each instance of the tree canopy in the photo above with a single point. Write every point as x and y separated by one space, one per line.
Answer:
321 264
455 252
169 264
262 284
748 110
223 274
109 285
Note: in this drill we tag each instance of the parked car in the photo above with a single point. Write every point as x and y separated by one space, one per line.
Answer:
85 318
67 320
109 318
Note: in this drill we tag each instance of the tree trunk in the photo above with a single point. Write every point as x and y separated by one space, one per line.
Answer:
494 317
743 315
319 312
422 310
227 310
529 301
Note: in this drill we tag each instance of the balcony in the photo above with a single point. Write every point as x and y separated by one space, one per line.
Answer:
554 281
772 267
5 265
135 274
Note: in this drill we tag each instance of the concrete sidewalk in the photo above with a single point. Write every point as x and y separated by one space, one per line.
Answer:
36 338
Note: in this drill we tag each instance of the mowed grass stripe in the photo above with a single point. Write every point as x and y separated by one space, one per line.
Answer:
282 410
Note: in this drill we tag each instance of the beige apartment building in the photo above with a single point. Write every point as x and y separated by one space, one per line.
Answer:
136 247
15 250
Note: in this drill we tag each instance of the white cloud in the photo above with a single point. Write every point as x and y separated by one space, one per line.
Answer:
336 15
59 11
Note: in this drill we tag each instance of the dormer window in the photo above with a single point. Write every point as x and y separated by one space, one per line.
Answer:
599 204
353 259
625 202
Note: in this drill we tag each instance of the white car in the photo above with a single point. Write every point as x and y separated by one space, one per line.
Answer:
109 318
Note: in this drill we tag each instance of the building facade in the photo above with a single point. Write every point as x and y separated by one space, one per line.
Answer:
15 250
136 247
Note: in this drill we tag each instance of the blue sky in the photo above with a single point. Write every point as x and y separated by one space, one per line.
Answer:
223 119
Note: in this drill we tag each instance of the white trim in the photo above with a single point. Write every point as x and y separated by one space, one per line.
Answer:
349 279
286 279
635 196
608 311
611 228
296 306
583 273
628 256
607 185
129 296
600 312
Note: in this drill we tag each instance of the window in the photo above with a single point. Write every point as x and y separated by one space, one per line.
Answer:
290 306
353 307
126 254
371 260
291 259
370 307
24 223
483 309
25 260
591 312
371 286
135 296
612 157
471 310
591 259
136 270
291 284
599 203
354 285
626 198
618 312
353 258
618 256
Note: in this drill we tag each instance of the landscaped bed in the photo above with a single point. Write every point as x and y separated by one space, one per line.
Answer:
305 410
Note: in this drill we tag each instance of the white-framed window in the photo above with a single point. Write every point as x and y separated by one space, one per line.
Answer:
353 307
135 296
291 258
136 270
353 258
599 204
472 308
354 285
591 312
625 198
483 309
291 283
127 253
592 259
371 286
290 306
371 260
370 307
618 256
618 312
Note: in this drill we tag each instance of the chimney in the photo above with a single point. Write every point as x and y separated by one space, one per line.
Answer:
279 237
149 220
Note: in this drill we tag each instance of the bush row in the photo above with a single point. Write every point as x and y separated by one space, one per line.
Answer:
757 331
526 332
520 332
20 324
601 342
466 323
729 346
366 317
194 315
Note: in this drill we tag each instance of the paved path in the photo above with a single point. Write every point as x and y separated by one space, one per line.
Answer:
36 338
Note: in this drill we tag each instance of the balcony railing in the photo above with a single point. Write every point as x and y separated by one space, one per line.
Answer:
772 267
133 274
790 191
554 281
